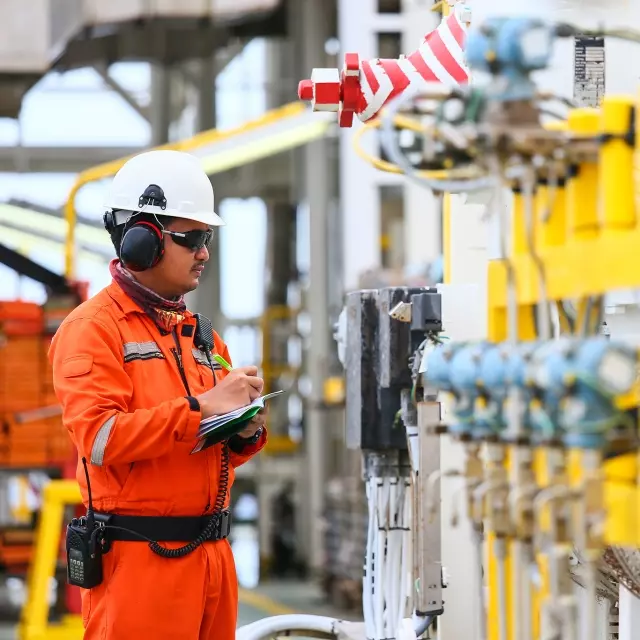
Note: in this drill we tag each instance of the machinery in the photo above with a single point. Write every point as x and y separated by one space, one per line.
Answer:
546 407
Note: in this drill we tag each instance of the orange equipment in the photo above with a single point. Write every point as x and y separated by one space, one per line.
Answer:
32 438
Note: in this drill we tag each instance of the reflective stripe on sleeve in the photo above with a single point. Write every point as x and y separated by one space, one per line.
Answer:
100 443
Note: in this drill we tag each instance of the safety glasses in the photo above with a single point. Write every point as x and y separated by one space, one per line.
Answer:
192 240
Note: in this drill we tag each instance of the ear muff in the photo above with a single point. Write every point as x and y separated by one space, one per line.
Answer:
142 246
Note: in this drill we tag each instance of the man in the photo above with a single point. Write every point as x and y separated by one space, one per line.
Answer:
133 374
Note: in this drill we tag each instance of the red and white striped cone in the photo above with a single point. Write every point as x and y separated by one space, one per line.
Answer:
364 87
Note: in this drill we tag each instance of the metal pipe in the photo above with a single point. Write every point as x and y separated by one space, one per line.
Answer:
422 624
480 492
481 611
319 190
430 489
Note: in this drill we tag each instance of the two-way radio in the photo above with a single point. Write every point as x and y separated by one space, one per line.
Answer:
86 543
203 338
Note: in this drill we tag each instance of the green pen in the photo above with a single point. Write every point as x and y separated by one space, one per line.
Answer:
222 362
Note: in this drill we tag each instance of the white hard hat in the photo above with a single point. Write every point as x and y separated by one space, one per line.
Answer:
185 186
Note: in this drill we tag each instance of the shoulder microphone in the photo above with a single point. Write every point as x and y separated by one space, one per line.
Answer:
203 338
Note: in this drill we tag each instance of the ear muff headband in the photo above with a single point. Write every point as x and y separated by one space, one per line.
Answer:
142 245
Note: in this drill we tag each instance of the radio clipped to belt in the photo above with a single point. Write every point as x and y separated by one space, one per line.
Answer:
86 543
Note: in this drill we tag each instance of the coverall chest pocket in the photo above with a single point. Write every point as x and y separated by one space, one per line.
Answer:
205 372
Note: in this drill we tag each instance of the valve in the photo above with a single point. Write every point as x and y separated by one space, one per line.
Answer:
470 399
363 87
599 389
494 370
545 375
511 49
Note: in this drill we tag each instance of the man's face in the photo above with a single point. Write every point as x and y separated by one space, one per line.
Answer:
180 269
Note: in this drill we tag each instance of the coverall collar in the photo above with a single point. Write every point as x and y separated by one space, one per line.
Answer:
127 305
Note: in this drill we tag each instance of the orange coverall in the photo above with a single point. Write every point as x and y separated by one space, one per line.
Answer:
123 400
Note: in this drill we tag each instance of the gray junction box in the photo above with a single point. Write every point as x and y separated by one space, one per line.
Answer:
378 352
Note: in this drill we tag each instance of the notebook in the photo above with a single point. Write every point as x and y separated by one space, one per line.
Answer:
218 428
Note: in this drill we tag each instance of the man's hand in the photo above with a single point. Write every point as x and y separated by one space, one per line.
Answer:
256 423
238 388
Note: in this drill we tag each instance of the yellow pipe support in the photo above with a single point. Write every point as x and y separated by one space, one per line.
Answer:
540 213
582 186
555 227
616 163
525 236
589 267
636 172
493 606
497 321
519 230
541 592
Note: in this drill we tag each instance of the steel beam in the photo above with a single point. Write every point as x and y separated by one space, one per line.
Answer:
160 107
116 87
207 298
98 252
58 159
55 213
319 194
191 70
265 177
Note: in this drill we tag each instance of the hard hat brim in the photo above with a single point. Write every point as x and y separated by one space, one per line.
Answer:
209 218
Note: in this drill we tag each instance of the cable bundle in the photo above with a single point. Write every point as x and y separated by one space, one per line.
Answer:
387 571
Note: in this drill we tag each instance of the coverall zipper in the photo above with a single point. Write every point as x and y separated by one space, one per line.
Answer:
177 354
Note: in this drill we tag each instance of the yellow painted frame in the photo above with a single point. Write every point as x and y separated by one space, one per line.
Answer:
588 246
34 623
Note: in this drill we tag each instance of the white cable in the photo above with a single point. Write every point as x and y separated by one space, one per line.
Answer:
391 595
405 541
398 608
373 505
299 623
406 555
388 559
380 550
387 569
480 604
367 580
396 605
367 584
